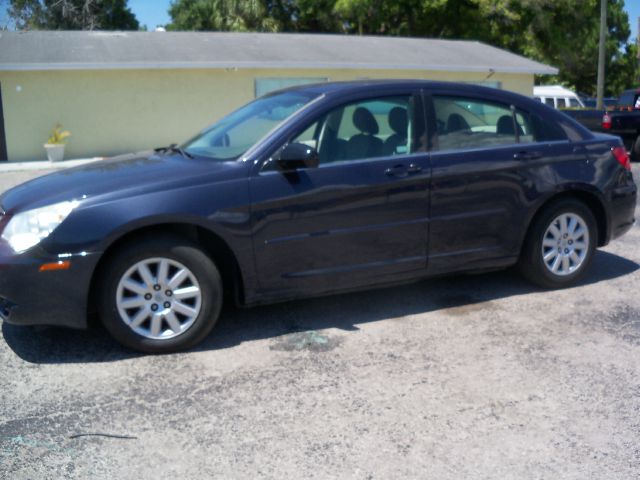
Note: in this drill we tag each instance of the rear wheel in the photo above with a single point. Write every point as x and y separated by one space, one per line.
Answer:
561 244
160 294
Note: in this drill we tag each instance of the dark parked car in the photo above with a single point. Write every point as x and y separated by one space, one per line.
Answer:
311 191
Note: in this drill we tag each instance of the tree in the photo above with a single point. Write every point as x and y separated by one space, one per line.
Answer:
572 45
72 15
222 15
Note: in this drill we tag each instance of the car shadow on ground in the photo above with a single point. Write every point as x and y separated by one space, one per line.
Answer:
466 293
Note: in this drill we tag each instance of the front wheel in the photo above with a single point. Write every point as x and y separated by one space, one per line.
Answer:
560 246
160 295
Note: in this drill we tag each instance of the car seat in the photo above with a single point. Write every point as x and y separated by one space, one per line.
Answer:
364 144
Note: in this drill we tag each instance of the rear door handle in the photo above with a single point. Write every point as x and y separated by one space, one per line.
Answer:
527 155
413 168
401 170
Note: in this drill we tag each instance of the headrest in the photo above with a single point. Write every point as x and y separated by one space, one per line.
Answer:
505 126
398 120
456 122
364 121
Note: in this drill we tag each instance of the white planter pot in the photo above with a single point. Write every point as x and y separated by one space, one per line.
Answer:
55 153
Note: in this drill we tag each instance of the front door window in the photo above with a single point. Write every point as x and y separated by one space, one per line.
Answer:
367 129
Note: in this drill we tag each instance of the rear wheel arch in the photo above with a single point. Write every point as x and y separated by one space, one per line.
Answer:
215 247
591 200
560 244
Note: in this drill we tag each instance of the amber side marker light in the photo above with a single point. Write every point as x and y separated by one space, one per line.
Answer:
49 267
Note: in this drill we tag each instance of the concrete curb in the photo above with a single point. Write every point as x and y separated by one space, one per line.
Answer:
44 165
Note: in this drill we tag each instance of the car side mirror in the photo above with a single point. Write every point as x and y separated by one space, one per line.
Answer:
297 155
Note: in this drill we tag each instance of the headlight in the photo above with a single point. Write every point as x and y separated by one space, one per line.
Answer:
27 229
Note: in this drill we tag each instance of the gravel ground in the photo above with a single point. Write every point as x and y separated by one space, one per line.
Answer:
464 377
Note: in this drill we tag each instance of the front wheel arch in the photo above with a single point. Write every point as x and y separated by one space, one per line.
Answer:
216 248
135 294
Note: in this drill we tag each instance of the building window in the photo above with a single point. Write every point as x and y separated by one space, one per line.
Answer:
267 85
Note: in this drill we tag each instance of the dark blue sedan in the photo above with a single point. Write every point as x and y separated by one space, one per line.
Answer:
312 191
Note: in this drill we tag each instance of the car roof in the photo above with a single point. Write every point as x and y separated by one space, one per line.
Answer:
353 86
375 87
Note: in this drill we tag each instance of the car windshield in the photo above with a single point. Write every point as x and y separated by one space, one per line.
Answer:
233 135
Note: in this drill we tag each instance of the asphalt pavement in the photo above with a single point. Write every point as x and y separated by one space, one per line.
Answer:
462 377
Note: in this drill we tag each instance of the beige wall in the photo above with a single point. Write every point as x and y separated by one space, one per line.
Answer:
117 111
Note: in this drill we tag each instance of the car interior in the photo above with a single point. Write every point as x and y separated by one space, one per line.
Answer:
370 129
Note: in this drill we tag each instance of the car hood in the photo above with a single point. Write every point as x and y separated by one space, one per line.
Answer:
116 177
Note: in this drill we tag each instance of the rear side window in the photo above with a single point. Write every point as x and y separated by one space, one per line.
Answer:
464 123
546 131
549 102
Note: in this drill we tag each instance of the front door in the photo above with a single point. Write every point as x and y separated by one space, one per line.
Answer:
360 217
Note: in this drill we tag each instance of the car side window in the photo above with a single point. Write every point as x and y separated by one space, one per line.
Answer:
471 123
372 128
525 127
546 130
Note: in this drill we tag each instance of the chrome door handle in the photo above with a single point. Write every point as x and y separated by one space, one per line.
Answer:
527 155
396 171
413 168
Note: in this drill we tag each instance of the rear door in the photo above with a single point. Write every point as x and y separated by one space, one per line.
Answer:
361 217
489 168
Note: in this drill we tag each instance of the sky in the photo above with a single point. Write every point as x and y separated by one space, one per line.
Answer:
154 12
633 9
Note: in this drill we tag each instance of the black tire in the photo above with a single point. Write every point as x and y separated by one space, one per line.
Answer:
178 251
532 265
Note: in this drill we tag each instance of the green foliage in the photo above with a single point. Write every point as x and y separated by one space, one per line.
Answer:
58 136
239 16
572 44
72 15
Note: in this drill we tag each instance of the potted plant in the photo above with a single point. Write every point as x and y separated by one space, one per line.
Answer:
55 144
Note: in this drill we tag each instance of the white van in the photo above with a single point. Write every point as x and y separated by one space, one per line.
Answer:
557 96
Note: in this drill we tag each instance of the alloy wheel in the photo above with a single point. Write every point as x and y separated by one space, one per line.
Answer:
159 298
565 244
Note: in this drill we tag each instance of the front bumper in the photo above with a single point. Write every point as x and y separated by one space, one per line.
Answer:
31 297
